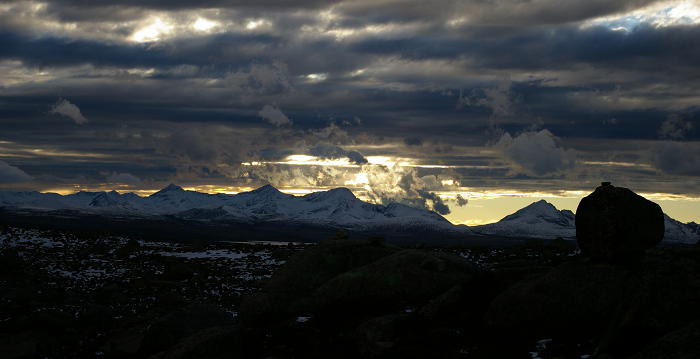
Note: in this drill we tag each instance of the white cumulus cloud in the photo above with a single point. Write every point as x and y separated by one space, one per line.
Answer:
65 108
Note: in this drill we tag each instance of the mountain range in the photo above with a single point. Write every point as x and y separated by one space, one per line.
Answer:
267 210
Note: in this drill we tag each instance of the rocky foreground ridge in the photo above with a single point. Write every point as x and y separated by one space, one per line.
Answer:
615 298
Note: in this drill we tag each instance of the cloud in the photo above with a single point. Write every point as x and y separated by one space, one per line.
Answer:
461 201
259 81
11 174
403 185
676 158
495 13
437 204
502 100
326 151
674 128
274 115
332 131
209 146
413 141
65 108
536 153
123 178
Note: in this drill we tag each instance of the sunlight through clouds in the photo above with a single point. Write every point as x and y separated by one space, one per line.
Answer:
153 32
204 25
658 15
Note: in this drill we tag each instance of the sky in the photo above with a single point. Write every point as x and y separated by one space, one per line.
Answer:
470 108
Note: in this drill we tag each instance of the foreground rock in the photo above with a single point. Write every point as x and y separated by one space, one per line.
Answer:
613 222
408 278
574 300
289 289
662 292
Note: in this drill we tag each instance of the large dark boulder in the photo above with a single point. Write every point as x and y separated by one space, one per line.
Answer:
211 343
574 300
377 335
680 343
411 276
183 323
662 293
288 290
465 304
613 222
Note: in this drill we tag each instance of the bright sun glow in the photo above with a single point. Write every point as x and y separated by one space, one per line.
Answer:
360 179
316 77
204 25
152 32
311 160
254 24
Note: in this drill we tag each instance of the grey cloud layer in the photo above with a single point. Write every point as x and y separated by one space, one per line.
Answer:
431 81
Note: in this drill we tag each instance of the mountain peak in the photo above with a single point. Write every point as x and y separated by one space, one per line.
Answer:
541 204
102 199
172 188
266 189
540 209
342 192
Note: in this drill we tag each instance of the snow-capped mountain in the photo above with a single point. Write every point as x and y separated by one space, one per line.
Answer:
542 220
677 232
334 208
538 220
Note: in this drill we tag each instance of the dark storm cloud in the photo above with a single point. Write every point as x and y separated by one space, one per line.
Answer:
432 82
54 51
675 128
123 178
12 174
438 205
676 158
51 51
520 13
413 141
270 154
185 4
648 48
536 153
334 152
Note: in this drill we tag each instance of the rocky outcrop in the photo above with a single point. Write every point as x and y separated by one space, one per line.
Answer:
680 343
613 222
289 289
574 300
182 323
410 278
662 291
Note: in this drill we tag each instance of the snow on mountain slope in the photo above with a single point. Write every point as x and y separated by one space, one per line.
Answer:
677 232
538 220
336 207
543 220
